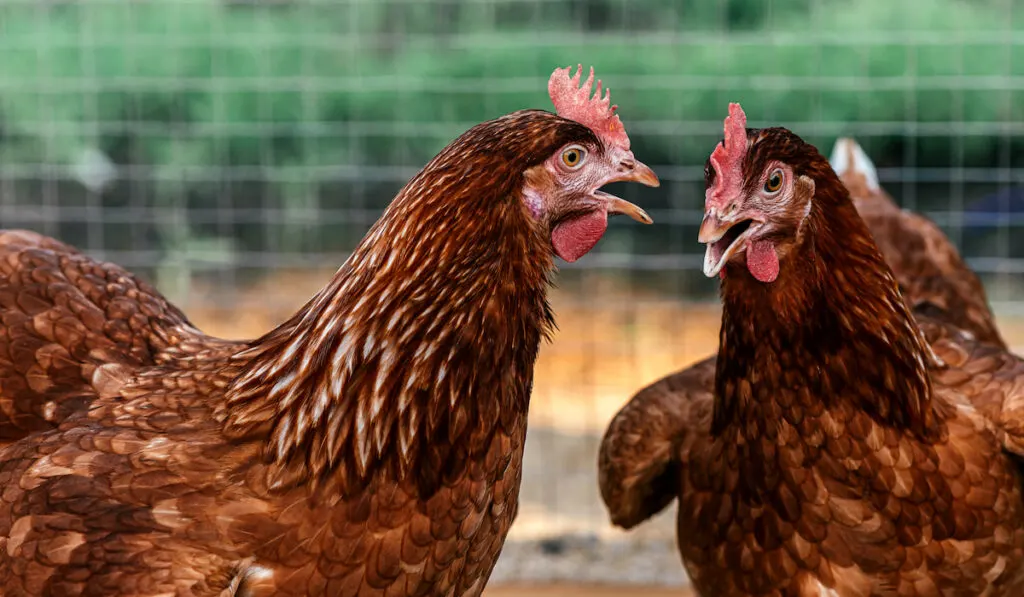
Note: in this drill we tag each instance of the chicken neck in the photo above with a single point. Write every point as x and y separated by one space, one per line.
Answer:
416 353
830 335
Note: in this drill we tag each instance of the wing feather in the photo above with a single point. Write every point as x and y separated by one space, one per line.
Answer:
649 439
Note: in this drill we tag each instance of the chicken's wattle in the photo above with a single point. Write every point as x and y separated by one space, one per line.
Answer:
762 260
574 238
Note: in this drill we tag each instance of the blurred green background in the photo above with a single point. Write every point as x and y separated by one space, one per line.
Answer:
191 138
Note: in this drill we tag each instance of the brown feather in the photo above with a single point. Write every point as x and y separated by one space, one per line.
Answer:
932 275
64 315
824 451
369 446
394 342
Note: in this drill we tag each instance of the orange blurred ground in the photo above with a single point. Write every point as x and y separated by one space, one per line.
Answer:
610 342
585 591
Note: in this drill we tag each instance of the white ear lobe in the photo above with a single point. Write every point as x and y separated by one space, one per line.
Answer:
848 156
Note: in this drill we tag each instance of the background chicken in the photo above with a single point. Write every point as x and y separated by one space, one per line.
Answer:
825 449
931 274
372 444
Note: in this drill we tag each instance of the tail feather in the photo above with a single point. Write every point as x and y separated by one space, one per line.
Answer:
848 157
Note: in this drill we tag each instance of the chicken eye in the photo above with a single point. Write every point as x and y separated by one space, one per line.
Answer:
774 182
573 157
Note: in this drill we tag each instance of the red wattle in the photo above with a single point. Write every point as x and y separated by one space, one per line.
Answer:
574 238
762 260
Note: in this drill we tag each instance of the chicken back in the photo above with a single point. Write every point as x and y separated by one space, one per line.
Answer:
68 323
837 445
369 446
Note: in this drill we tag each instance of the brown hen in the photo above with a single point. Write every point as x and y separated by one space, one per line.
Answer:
932 276
828 449
372 444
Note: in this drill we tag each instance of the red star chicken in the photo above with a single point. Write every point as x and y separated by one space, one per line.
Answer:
371 445
839 444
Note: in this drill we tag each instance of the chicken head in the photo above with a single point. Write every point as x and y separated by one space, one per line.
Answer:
563 192
756 199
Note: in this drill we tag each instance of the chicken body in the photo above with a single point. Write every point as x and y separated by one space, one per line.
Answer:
369 446
145 495
837 445
808 500
69 322
153 491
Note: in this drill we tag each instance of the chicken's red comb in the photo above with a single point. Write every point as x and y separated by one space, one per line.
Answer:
727 159
575 103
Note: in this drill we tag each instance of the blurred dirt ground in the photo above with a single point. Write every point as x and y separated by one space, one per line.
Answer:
610 343
568 590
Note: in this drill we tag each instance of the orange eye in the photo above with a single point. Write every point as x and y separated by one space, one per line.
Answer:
774 182
574 156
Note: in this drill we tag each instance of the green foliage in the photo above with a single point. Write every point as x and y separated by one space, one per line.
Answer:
303 107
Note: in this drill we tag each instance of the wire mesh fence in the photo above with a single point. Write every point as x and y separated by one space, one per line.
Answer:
234 151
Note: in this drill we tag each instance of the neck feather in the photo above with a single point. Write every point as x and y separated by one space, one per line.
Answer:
420 347
832 332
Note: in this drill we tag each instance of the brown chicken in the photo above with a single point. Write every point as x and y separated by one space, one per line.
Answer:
836 446
370 445
931 274
69 323
909 244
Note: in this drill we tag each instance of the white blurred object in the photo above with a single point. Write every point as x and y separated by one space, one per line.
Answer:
94 170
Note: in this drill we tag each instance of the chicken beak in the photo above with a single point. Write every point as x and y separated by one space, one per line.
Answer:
642 174
616 205
631 170
712 228
722 240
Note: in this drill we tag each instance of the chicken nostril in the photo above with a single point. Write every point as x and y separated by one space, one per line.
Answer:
628 164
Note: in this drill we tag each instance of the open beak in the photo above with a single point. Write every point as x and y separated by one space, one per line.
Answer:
635 171
616 205
724 238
